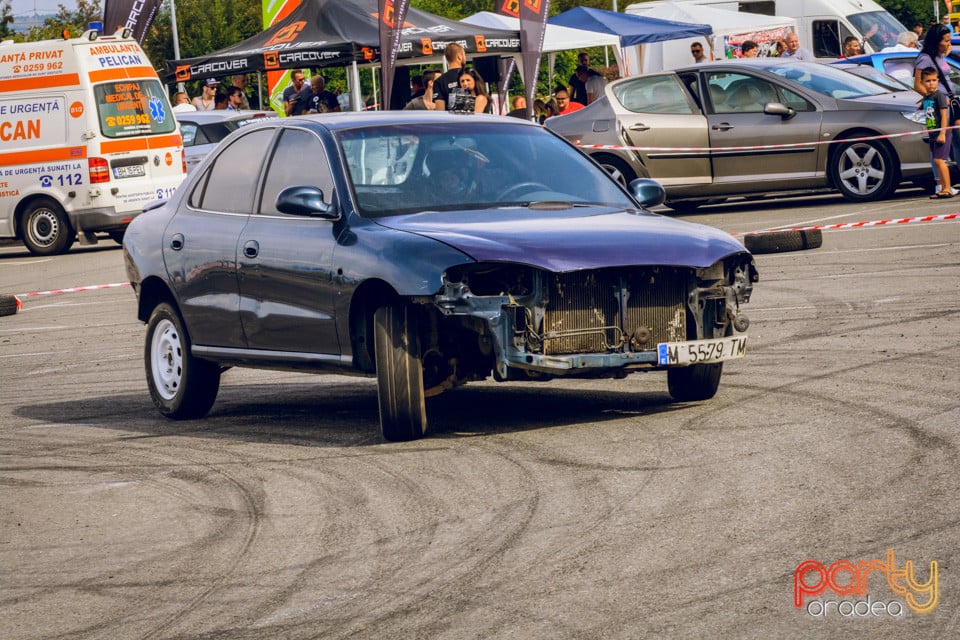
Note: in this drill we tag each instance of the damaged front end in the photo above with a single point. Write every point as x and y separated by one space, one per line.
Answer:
528 323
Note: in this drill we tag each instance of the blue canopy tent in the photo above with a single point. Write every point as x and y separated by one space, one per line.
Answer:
631 29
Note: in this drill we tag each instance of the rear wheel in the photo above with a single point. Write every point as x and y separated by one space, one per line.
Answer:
183 387
618 169
403 414
864 171
46 229
695 382
117 235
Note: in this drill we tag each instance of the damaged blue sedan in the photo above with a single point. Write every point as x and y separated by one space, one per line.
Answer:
427 250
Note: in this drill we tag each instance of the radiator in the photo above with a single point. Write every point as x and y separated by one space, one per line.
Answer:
614 310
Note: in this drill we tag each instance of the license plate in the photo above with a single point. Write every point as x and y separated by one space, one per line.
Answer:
699 351
130 171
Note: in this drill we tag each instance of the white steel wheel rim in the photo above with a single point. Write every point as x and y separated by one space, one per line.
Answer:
44 227
166 359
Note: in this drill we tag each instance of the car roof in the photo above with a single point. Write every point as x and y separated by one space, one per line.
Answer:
220 115
352 119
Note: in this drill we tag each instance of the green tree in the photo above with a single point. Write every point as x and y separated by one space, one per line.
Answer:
6 21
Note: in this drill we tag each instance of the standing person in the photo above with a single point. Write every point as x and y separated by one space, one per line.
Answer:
234 99
519 104
578 88
749 49
316 99
696 50
240 81
933 54
906 41
207 100
936 109
456 58
473 85
593 84
291 95
793 50
562 98
423 100
181 102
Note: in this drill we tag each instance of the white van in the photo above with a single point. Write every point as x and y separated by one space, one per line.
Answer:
822 25
88 138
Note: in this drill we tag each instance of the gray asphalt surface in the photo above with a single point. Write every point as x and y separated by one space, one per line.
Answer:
595 509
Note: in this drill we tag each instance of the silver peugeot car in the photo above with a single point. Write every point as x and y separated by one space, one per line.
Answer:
754 127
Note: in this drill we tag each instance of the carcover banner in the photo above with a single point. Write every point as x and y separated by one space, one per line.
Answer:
136 15
533 26
392 15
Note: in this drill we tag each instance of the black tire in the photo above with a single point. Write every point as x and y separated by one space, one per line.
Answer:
864 171
46 230
183 387
695 382
618 169
117 235
8 305
403 414
780 241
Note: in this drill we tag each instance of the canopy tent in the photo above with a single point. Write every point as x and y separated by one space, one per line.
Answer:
730 29
630 29
556 38
329 33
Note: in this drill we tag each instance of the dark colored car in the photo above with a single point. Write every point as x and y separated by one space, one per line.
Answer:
428 250
758 126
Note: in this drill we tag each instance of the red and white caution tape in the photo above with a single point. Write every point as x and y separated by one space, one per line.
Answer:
55 292
858 225
786 145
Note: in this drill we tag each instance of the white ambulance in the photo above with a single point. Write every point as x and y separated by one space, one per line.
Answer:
87 138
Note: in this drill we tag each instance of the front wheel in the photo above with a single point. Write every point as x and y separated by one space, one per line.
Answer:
864 171
183 387
694 382
46 229
403 414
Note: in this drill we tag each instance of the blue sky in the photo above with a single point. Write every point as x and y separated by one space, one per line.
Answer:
25 7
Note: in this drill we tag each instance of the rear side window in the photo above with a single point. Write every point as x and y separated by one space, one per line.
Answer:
231 182
133 108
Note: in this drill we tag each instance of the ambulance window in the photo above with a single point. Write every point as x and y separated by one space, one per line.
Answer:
133 108
287 168
232 180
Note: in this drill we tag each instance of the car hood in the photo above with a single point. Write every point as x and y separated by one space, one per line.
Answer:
571 239
895 100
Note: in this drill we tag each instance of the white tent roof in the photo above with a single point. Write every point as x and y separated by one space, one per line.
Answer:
556 38
724 22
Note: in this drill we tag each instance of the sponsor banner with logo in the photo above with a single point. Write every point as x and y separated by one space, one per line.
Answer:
136 15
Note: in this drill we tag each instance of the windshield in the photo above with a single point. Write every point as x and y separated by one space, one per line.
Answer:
879 28
399 169
826 79
133 108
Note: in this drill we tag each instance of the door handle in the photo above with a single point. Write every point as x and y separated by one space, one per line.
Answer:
251 249
723 126
176 241
639 127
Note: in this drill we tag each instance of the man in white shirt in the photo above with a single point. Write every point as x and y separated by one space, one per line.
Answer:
594 83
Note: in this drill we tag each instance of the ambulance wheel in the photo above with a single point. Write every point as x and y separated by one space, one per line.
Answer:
46 229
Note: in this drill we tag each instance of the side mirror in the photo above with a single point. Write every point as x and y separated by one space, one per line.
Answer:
649 193
305 201
779 109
